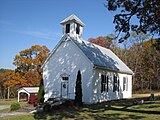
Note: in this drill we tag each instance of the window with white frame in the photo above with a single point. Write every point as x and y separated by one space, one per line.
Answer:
104 83
115 83
65 77
125 83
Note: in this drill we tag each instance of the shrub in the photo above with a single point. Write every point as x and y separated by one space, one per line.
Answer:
15 106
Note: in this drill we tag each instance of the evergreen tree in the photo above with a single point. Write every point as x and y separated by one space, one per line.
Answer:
78 93
41 92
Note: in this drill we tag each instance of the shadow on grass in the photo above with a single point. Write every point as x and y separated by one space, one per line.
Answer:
115 116
76 114
117 109
58 114
136 111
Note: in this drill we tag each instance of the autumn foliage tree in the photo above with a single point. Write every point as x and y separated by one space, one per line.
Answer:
104 41
151 63
3 90
28 64
143 57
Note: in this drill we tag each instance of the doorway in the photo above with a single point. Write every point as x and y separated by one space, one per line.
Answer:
64 85
64 89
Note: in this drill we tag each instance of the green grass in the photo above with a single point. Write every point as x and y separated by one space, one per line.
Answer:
9 102
119 109
4 110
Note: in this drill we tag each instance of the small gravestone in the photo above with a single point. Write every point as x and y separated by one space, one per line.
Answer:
152 96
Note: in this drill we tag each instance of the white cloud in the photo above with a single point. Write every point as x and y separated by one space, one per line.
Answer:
41 34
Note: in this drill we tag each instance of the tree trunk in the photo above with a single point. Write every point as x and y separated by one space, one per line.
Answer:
141 85
8 93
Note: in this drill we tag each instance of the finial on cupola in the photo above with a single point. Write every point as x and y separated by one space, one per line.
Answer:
73 26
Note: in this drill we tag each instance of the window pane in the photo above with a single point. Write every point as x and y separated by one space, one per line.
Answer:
118 85
77 29
114 83
124 83
107 83
65 78
102 78
102 83
67 28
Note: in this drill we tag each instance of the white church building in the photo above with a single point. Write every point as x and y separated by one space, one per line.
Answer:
104 75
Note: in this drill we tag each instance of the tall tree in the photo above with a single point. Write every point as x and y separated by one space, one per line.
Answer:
41 92
78 88
151 66
146 11
28 64
143 59
3 90
31 59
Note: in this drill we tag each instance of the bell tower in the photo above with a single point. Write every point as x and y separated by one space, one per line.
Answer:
73 26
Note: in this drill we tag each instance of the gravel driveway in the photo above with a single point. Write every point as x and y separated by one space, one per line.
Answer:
4 107
11 113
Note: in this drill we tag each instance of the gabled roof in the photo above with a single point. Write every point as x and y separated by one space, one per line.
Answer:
97 55
30 89
72 18
102 57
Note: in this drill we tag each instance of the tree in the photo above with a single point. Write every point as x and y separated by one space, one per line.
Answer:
146 11
104 41
31 59
151 66
78 92
41 92
3 90
12 79
28 71
143 58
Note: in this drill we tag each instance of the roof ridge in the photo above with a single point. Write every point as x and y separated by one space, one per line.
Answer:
70 18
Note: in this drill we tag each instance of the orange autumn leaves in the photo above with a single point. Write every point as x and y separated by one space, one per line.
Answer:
28 70
104 41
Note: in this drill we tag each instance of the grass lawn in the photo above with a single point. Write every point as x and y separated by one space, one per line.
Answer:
119 109
9 102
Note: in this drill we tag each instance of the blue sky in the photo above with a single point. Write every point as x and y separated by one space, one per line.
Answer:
24 23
